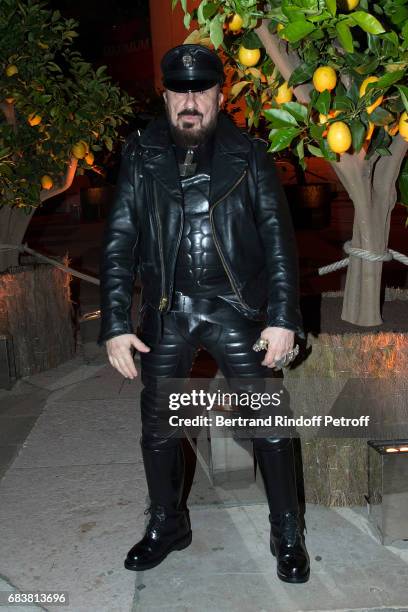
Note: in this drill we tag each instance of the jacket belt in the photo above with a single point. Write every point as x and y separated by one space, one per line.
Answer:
195 305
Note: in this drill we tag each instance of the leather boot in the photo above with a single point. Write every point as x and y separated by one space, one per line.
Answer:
275 458
168 528
288 546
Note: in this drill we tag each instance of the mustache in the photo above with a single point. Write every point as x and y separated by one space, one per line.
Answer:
190 111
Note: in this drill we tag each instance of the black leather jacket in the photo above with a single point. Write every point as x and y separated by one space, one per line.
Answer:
249 216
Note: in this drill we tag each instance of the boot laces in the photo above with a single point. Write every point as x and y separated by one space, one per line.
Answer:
157 516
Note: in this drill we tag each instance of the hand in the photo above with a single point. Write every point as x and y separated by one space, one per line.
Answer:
120 355
280 342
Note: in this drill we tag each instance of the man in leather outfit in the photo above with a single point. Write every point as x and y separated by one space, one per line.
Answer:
200 212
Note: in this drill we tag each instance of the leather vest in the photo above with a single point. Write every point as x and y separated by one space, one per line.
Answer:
199 269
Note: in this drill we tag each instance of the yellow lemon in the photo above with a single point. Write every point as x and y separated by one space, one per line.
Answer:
279 28
370 130
79 150
348 5
285 93
90 158
11 70
403 125
34 119
339 137
86 145
46 182
256 73
392 130
324 78
363 87
324 118
249 57
236 23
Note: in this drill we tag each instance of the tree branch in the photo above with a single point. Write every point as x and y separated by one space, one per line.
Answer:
45 194
388 168
9 113
285 61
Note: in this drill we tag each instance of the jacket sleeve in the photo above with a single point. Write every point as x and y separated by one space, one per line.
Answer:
275 227
119 254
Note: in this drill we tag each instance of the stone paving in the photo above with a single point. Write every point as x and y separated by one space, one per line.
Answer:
73 494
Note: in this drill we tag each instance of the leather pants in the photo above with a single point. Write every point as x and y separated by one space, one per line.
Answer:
231 347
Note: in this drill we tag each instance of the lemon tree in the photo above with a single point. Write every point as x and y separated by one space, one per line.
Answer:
57 111
345 64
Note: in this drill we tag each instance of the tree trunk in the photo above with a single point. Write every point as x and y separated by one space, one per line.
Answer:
13 226
371 185
361 304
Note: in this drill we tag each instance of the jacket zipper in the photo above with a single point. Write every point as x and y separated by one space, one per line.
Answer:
237 292
175 259
163 299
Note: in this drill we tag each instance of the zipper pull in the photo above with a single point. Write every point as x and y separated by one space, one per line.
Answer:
163 303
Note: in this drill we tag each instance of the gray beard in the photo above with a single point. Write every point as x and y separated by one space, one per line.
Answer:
185 138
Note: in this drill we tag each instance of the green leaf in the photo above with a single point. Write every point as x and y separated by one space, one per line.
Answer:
358 134
388 79
380 116
369 67
251 40
383 151
345 37
315 151
108 142
216 31
353 92
403 183
302 73
299 111
237 88
322 103
367 22
316 131
187 20
210 9
300 149
332 6
297 30
281 139
342 103
377 142
280 117
326 150
403 89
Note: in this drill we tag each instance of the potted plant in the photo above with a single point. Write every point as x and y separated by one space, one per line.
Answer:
56 112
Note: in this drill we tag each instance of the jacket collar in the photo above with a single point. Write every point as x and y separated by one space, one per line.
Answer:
230 158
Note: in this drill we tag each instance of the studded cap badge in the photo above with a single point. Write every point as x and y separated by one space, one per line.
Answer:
187 60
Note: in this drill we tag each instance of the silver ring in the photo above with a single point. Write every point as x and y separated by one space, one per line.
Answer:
285 360
260 345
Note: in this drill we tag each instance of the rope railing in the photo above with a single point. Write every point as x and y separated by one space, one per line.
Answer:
24 248
362 254
338 265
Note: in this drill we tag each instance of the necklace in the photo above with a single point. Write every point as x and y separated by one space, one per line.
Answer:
188 168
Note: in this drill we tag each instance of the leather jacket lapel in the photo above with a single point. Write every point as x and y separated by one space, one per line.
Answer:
163 169
230 159
226 171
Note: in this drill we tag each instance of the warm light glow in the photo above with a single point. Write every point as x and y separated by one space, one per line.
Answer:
397 449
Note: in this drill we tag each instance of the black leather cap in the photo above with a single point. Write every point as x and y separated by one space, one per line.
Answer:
191 68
